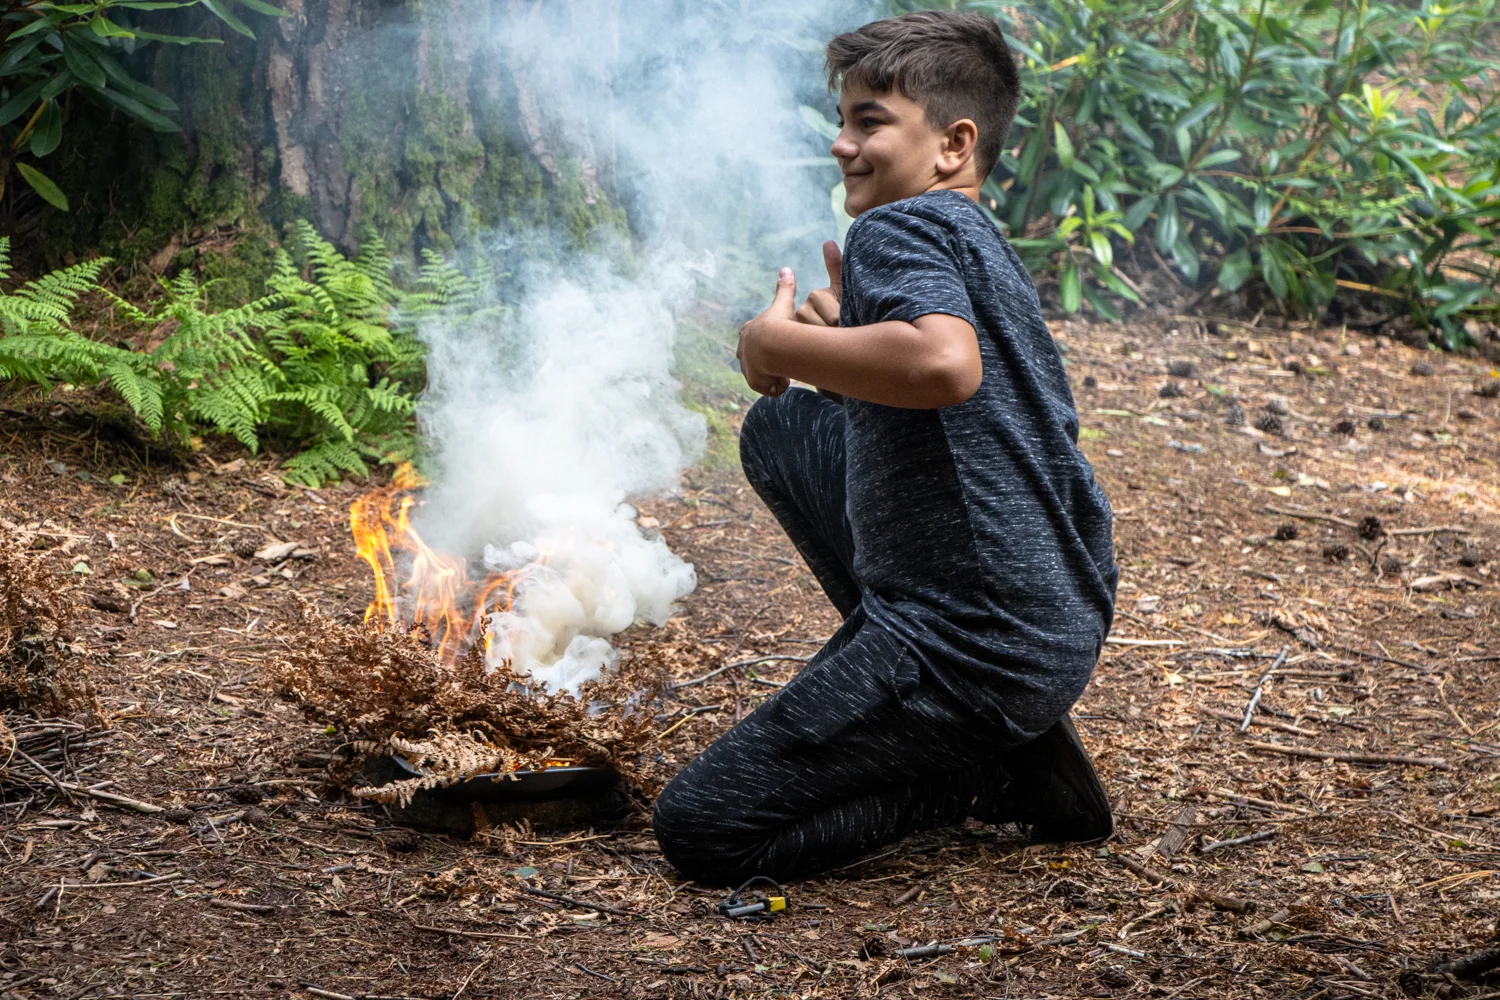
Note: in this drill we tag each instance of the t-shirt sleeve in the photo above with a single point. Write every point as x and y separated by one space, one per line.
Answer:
899 267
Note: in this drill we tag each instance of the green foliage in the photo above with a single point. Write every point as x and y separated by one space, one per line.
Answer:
48 50
315 364
1300 147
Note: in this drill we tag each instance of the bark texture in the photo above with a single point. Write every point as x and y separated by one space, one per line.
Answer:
411 118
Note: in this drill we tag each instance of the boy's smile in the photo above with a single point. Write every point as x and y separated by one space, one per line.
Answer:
888 150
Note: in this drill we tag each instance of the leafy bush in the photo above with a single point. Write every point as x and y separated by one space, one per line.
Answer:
315 363
49 49
1299 147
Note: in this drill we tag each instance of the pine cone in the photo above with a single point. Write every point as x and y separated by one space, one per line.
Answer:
244 544
1089 382
178 815
257 817
1292 365
1489 390
1392 566
1170 391
1423 369
245 795
1375 423
1236 415
1345 428
1335 552
402 841
1278 405
1370 528
1286 533
1180 369
1269 423
874 947
1469 556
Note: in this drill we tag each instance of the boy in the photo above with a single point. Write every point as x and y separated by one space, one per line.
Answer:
935 488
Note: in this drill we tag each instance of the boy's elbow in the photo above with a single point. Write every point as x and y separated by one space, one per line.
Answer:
954 381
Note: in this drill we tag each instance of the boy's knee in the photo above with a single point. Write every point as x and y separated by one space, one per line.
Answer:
690 839
756 433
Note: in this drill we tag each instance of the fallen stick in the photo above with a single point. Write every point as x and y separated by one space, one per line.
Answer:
1307 515
1116 640
1285 727
1474 964
234 904
153 880
1253 838
326 994
738 663
1228 796
1437 529
1260 687
473 934
1381 658
110 798
578 903
1350 758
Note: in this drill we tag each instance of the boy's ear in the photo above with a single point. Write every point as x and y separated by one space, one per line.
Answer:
959 142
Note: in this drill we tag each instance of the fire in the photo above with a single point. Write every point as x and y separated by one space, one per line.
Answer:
436 594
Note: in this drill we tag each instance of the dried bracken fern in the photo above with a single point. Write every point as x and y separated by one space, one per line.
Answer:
382 684
42 668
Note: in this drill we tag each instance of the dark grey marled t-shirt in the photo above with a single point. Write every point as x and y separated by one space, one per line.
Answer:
981 538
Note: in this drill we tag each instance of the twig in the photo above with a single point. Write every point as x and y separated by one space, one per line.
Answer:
234 904
61 786
1351 758
1285 727
1473 965
738 663
136 607
473 934
1228 796
1145 872
1116 640
580 904
1310 516
1260 687
326 994
154 880
111 798
1436 529
1253 838
584 968
1381 659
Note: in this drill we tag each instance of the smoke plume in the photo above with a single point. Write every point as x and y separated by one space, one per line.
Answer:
546 414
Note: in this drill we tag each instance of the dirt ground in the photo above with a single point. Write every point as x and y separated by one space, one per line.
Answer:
1369 777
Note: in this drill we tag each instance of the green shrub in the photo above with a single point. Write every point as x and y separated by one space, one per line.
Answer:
1300 146
316 364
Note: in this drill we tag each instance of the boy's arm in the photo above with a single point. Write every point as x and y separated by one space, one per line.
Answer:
928 363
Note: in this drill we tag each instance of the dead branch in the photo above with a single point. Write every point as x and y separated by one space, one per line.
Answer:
1351 758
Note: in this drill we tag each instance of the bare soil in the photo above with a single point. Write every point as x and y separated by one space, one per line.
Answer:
1371 769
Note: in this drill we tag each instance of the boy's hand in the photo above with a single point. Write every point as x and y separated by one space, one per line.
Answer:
748 352
822 305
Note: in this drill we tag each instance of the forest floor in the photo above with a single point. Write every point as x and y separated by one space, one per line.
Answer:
1369 777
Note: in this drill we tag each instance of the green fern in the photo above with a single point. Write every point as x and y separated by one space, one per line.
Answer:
318 363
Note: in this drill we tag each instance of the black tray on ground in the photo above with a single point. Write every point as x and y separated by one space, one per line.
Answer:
558 798
521 786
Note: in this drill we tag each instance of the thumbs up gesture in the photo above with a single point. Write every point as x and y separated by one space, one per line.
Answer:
750 350
822 305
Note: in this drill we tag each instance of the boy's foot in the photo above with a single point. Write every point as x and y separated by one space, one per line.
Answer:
1062 795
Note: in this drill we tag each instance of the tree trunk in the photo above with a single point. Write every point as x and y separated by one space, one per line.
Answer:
406 118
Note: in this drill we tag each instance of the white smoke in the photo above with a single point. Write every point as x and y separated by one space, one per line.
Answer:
543 419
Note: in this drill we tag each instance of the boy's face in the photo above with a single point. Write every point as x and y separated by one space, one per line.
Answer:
886 148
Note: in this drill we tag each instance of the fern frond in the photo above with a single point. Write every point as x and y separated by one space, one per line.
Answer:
322 462
143 395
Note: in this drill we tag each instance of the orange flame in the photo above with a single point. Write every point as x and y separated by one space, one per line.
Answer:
436 589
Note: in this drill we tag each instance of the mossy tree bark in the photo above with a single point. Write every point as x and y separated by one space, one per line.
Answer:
410 118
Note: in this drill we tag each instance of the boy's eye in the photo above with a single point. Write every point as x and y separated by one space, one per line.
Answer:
869 122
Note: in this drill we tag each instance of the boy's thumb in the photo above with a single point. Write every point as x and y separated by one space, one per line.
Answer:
786 291
833 259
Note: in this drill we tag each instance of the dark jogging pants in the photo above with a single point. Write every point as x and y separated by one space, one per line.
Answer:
853 753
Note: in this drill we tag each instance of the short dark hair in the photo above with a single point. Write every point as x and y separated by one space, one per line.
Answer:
956 65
